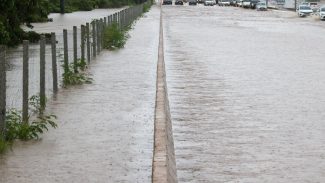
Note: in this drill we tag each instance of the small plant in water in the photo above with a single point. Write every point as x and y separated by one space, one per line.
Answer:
74 74
114 37
3 145
16 128
36 124
146 7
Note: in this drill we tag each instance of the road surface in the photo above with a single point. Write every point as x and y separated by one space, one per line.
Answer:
246 92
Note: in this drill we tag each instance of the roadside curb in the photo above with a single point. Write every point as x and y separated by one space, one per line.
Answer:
164 164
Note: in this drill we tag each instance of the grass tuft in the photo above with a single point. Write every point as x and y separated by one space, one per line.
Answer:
114 38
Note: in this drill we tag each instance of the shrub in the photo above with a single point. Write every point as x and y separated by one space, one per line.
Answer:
114 37
16 128
74 74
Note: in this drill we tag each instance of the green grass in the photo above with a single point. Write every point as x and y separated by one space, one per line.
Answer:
114 38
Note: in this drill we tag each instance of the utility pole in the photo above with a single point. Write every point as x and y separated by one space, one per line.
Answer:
62 6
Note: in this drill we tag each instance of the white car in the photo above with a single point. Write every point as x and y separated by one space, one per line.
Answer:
246 4
261 6
322 13
304 10
224 2
209 2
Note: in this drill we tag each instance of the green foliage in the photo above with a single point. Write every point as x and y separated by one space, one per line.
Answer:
16 128
114 37
3 146
146 7
16 12
74 74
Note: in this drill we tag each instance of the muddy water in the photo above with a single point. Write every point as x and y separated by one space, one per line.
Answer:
15 55
246 92
105 129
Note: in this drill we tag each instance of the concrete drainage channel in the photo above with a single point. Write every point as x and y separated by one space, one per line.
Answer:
164 164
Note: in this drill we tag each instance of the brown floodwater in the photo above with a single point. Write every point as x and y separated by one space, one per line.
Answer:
246 91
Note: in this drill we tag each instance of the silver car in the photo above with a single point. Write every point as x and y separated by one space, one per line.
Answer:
322 13
261 6
304 10
209 2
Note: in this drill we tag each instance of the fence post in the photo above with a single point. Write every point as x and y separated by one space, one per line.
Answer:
75 49
54 65
124 18
88 42
66 53
42 72
98 36
103 27
25 80
109 21
94 38
119 19
2 91
105 21
82 42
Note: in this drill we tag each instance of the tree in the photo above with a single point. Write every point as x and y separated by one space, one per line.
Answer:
13 13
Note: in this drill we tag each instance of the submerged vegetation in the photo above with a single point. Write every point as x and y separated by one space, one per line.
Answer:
74 74
114 37
18 129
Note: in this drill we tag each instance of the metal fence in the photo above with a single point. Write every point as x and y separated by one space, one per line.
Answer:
38 68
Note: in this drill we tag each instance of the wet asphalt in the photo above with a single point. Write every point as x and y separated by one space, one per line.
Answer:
246 92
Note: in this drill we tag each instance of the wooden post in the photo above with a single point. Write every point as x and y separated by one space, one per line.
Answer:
42 73
109 20
2 91
54 64
25 80
75 49
94 38
82 42
102 30
62 6
88 42
98 36
66 53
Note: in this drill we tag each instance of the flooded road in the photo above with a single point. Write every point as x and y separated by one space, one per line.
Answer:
105 129
246 92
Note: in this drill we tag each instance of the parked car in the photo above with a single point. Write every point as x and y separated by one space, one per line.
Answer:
261 6
233 3
246 4
304 10
239 3
322 13
254 3
192 2
179 2
209 2
224 2
200 1
167 2
314 6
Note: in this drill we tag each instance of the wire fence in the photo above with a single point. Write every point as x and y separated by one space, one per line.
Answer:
36 69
